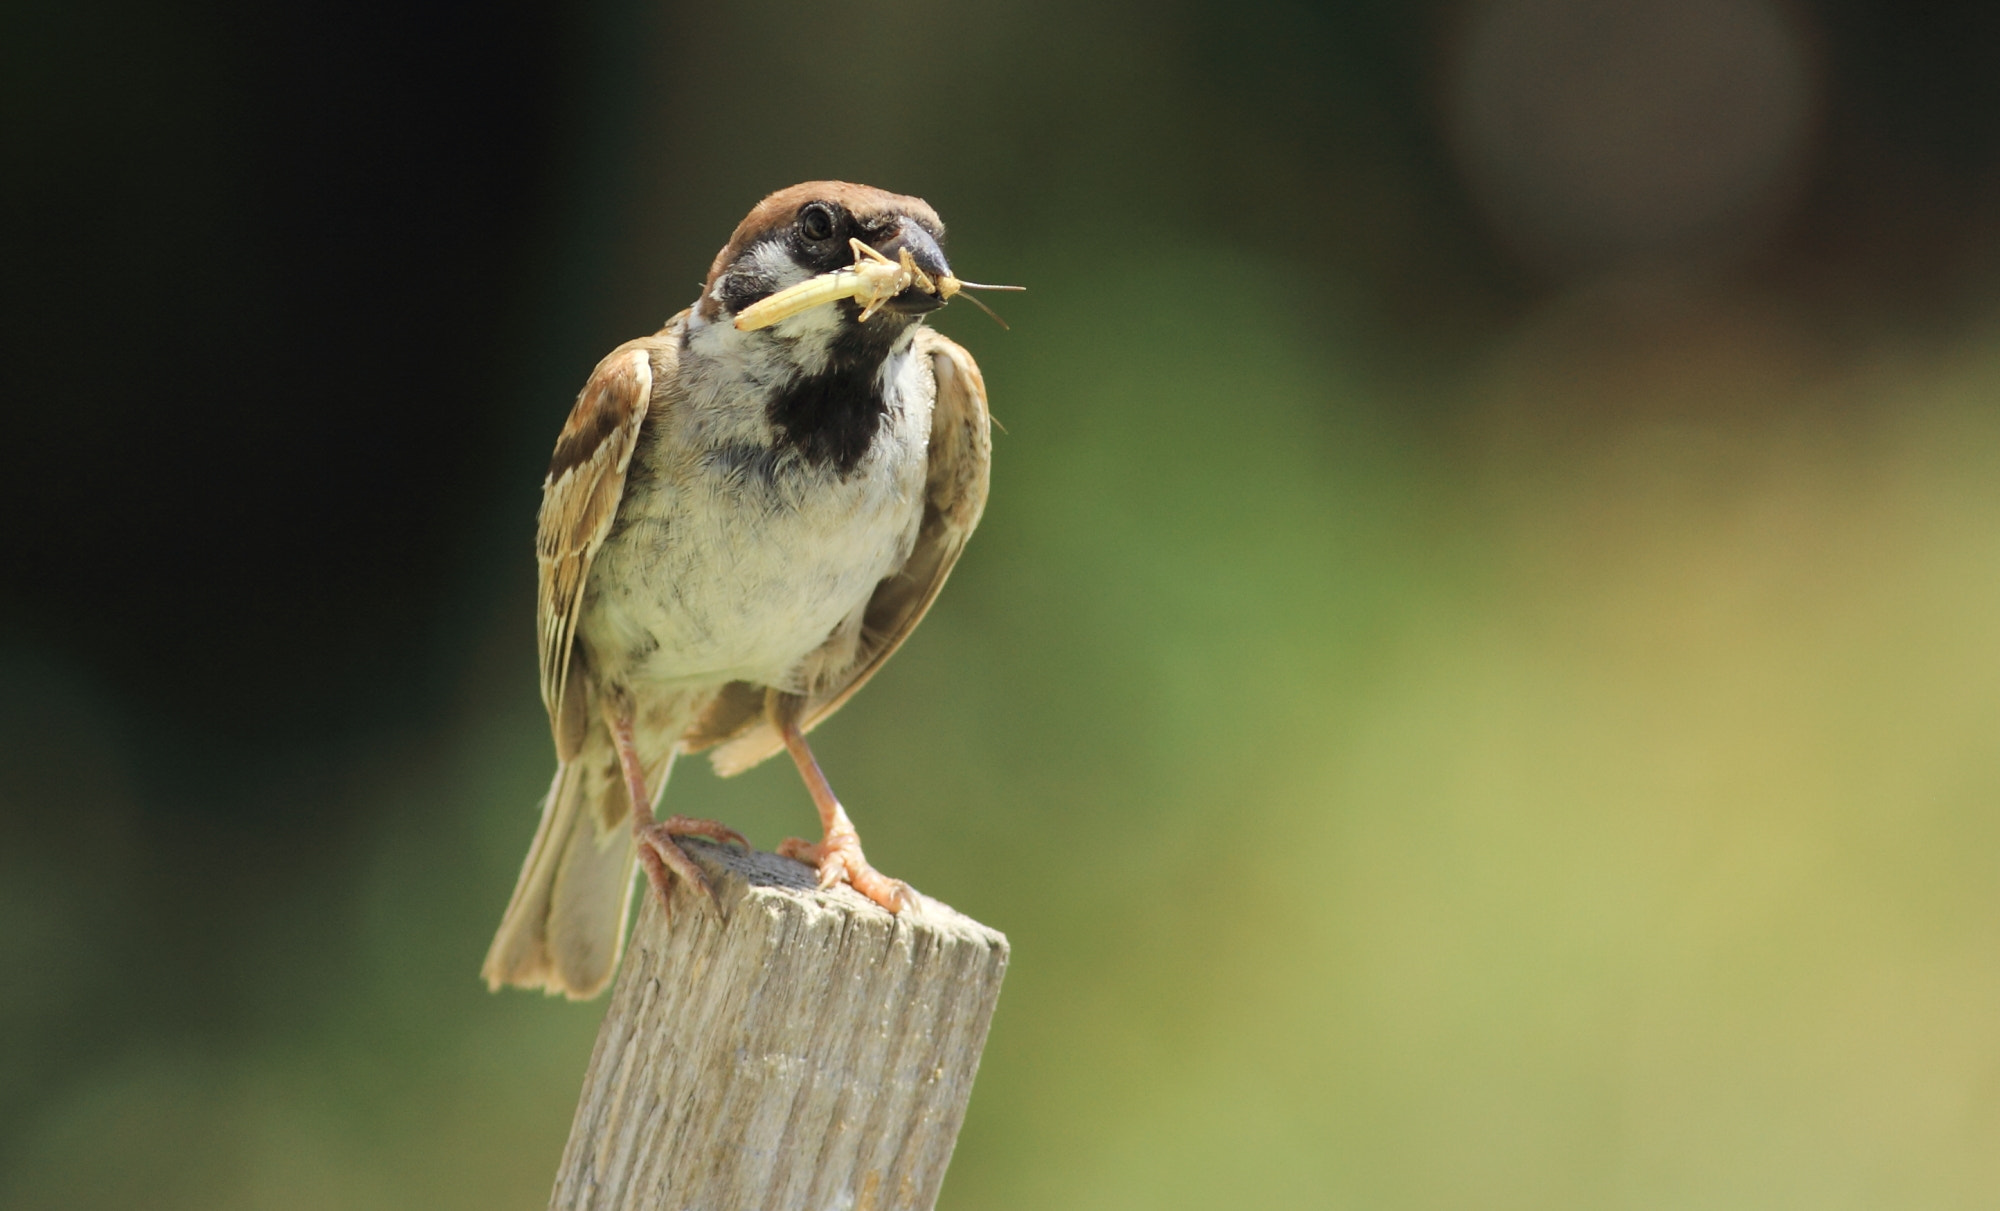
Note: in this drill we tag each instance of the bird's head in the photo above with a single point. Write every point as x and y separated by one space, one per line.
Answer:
812 231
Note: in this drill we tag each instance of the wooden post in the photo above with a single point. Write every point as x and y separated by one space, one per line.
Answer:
806 1052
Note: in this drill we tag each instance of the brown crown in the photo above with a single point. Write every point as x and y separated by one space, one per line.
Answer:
864 202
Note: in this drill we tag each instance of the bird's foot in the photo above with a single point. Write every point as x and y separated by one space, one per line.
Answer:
839 860
663 858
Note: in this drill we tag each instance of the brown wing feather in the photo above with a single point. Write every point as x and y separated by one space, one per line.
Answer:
579 502
961 455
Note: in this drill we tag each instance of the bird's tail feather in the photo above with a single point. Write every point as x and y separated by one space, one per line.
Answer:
565 926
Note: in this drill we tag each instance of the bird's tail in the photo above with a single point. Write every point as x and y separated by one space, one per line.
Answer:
565 926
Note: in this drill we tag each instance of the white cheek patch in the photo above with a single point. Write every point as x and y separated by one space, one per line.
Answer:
812 329
768 261
773 262
803 340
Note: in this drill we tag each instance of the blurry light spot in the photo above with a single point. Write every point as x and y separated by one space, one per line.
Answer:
1593 133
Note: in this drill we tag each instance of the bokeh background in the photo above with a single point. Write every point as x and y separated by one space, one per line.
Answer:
1479 685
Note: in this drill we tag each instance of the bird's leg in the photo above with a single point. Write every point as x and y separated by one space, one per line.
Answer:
658 852
838 854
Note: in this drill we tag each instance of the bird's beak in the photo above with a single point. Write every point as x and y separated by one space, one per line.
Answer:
927 257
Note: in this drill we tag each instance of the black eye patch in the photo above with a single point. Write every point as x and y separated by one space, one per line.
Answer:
739 288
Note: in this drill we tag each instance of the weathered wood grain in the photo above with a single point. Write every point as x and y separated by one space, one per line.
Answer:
806 1052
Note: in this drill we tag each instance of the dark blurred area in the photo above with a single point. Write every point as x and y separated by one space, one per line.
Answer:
267 265
1587 406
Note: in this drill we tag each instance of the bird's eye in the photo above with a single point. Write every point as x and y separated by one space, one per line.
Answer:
816 222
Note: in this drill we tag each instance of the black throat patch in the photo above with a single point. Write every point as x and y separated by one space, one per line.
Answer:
831 418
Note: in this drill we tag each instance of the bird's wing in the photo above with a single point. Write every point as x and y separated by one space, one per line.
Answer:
961 454
579 502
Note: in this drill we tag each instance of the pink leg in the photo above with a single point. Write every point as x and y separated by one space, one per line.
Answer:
838 854
658 852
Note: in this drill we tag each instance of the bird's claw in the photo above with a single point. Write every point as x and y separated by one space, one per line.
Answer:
663 858
688 826
839 860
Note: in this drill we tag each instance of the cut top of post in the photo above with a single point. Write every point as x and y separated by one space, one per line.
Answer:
807 1049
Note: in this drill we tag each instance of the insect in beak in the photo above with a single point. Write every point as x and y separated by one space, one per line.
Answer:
871 281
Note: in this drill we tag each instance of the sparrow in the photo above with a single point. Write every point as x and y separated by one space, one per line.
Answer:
746 514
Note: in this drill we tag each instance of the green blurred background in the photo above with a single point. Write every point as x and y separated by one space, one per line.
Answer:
1479 684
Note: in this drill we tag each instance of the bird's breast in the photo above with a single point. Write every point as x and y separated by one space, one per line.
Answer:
736 552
